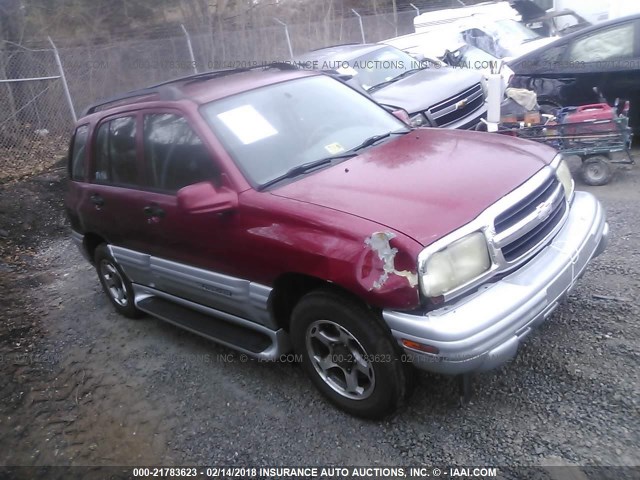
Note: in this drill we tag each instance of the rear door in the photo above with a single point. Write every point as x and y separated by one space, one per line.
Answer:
115 180
77 173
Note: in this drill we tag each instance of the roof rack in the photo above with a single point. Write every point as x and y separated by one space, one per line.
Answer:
169 91
228 71
165 92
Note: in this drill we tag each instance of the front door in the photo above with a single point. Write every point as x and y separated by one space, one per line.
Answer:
188 251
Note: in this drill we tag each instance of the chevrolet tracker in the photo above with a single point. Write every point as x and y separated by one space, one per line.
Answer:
272 209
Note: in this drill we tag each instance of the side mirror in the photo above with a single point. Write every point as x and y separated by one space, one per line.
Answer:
402 114
203 197
399 113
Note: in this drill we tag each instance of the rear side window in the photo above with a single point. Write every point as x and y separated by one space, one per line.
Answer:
78 153
174 154
116 154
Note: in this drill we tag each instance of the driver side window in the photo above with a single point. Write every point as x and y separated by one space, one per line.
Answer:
174 154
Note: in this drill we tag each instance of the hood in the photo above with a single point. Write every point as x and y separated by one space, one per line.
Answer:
426 183
425 88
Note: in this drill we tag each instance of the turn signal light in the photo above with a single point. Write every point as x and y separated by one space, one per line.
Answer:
420 347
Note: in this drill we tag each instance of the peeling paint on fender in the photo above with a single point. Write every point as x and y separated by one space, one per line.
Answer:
379 243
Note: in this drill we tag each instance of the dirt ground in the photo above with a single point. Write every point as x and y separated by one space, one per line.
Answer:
81 385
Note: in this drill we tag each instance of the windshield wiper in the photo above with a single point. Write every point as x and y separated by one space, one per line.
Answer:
306 168
376 138
370 141
395 79
315 164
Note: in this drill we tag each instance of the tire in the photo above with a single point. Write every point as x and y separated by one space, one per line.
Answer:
596 170
480 127
115 283
349 356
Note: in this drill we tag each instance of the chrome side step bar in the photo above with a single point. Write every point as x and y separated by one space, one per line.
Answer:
238 333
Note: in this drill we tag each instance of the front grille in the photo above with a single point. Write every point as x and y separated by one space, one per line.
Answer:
529 234
532 239
526 206
457 107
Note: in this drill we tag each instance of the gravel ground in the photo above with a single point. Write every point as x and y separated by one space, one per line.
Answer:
84 386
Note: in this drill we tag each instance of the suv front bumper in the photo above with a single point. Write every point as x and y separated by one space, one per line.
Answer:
483 331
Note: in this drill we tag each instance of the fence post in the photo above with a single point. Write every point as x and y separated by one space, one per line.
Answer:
361 26
190 47
286 32
394 25
64 81
416 9
395 15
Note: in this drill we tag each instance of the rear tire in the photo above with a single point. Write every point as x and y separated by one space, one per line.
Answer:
596 170
115 283
348 354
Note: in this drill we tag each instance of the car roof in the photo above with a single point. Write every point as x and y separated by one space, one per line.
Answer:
200 88
340 52
579 33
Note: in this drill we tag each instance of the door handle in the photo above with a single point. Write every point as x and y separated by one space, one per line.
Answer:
97 200
153 211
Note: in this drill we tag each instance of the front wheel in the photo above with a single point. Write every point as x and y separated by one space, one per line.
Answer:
348 354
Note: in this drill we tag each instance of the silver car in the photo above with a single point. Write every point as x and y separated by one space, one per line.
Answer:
430 92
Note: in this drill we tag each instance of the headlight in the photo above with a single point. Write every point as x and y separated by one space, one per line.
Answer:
564 176
418 120
457 264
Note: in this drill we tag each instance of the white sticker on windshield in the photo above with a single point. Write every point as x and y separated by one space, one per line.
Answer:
334 148
247 124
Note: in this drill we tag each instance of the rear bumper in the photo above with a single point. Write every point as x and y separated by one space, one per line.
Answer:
484 330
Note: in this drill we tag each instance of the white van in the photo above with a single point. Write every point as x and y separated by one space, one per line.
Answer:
428 20
594 10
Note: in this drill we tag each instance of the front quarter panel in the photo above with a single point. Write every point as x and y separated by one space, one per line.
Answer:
284 236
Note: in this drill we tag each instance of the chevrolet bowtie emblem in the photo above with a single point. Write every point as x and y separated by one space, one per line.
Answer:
543 211
461 104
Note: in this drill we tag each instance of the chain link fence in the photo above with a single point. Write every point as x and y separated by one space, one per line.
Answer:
38 116
35 120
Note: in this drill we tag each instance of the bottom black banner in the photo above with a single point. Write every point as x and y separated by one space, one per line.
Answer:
320 473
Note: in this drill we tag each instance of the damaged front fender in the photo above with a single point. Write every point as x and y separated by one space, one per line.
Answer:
384 268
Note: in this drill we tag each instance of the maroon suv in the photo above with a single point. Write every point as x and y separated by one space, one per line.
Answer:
270 209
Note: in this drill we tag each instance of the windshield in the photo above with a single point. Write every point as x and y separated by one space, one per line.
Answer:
382 65
271 130
512 31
